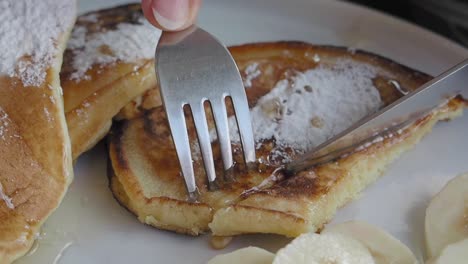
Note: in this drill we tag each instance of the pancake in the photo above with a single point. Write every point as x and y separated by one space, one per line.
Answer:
150 99
109 60
300 95
35 152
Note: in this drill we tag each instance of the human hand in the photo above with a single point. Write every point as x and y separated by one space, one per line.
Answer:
171 15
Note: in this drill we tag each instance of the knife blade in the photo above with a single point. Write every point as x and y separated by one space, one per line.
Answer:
389 120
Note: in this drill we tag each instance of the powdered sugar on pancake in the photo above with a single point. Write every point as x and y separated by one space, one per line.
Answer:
4 123
5 133
29 32
251 72
6 198
128 42
311 107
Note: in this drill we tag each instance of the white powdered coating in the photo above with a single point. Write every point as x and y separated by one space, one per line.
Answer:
48 116
313 106
4 122
6 199
251 72
5 133
32 28
127 43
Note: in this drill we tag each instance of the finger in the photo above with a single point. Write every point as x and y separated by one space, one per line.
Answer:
171 15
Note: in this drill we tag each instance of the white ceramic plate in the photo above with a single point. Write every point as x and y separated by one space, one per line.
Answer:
90 227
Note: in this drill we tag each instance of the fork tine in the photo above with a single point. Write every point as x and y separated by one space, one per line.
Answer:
176 118
242 113
218 108
190 59
199 118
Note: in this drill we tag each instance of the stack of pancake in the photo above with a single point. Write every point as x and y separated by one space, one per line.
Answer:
109 84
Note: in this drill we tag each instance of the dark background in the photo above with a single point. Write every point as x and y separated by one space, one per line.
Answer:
445 17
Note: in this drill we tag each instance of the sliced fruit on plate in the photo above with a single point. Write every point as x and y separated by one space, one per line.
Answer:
248 255
447 216
321 249
456 253
383 247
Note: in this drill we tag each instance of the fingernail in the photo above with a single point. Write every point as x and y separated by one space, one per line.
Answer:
171 14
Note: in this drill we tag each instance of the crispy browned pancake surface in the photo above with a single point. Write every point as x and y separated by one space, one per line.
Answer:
145 175
91 101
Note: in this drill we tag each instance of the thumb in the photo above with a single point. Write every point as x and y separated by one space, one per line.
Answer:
171 15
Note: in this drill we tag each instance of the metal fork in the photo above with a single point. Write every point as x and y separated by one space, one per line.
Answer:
193 67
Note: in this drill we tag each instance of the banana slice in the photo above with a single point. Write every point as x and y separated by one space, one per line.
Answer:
383 247
323 249
456 253
447 216
248 255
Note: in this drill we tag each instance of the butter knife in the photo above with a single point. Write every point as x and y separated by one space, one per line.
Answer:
389 120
